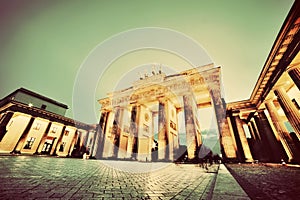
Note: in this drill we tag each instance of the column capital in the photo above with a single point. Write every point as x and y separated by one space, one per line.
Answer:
293 66
289 108
294 73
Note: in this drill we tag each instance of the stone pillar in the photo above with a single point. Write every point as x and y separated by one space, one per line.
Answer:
4 122
253 142
268 136
212 79
71 148
258 147
244 142
239 147
191 140
289 109
231 132
134 123
163 153
255 130
227 140
22 139
282 131
295 75
101 129
116 131
124 133
154 145
59 140
109 136
39 148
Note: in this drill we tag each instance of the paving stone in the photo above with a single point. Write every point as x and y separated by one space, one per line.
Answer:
29 177
268 181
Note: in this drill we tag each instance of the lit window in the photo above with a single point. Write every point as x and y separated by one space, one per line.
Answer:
66 132
62 146
145 128
172 125
29 143
54 129
37 126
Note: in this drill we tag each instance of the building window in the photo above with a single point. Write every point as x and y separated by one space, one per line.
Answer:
62 147
37 126
43 107
54 129
66 132
173 125
146 128
29 143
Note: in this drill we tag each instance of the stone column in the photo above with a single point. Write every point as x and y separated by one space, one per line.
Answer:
191 140
22 139
295 75
289 109
244 142
258 148
4 123
255 130
212 79
134 123
253 142
71 148
240 154
231 132
116 131
59 140
282 131
108 136
275 149
40 147
124 133
228 143
162 132
101 129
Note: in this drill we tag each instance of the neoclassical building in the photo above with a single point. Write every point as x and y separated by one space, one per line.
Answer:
34 124
128 116
270 117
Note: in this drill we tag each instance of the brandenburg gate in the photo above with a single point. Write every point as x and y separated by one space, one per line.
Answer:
127 120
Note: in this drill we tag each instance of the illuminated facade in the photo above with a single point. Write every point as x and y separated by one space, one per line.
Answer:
128 116
33 124
271 115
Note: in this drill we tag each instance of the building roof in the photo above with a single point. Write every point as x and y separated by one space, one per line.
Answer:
31 93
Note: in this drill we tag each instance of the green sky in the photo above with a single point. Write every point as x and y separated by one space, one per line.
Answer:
43 43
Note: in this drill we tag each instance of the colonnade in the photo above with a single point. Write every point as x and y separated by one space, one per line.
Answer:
274 126
23 133
131 118
128 132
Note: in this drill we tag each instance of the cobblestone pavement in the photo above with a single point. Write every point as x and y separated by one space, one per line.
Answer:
27 177
267 181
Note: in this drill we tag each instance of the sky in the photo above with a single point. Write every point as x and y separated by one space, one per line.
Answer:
44 45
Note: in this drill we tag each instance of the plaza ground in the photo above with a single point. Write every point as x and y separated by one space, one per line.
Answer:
268 181
30 177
